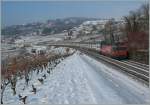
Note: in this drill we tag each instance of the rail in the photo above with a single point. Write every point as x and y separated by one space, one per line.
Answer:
139 73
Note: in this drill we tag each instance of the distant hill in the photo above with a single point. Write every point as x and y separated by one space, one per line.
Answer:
48 27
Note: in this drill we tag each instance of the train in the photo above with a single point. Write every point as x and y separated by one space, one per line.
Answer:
116 51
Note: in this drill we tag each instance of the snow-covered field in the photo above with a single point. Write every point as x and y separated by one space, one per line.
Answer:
61 50
38 39
80 79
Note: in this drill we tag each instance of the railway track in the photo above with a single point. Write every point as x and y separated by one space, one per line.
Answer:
136 64
140 72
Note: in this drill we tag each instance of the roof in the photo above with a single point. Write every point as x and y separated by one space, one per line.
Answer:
39 47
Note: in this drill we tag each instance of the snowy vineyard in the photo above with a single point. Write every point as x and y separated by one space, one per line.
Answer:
21 86
60 82
26 72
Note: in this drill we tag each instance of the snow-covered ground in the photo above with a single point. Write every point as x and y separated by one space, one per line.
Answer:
61 50
80 79
38 39
87 37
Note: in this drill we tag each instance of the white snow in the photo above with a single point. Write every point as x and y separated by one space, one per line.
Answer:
61 50
80 79
37 39
114 85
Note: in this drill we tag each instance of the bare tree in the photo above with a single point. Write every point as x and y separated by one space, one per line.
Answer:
5 78
3 87
67 50
34 89
137 20
109 29
23 99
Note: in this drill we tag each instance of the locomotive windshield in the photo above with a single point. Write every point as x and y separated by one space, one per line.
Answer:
119 48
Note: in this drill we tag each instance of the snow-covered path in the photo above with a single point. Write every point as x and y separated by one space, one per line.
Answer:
111 86
80 79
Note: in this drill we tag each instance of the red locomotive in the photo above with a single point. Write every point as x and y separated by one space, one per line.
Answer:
116 51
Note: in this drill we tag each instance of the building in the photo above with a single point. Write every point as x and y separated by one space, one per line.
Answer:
22 43
19 43
38 50
92 27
